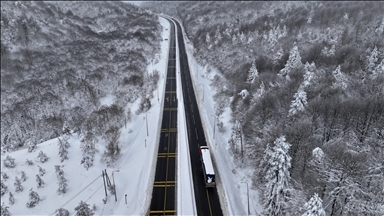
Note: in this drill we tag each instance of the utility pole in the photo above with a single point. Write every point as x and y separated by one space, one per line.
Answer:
145 142
241 142
146 120
214 126
105 187
114 186
248 199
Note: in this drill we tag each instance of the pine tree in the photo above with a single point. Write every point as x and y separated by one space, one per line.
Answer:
378 71
40 182
340 79
11 198
278 56
5 176
309 74
314 207
29 162
62 181
112 151
41 171
18 186
83 209
43 157
4 210
23 176
9 162
62 212
3 188
34 199
88 150
63 146
278 162
252 73
294 62
299 103
32 145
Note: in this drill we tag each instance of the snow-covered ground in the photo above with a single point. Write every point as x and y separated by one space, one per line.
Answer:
233 180
136 165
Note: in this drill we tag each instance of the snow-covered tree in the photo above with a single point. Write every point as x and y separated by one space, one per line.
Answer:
62 212
42 157
17 184
41 171
4 210
3 188
299 103
207 38
244 93
39 181
112 151
277 164
252 73
11 198
9 162
63 146
309 73
259 93
34 199
23 176
378 71
372 60
32 145
340 79
83 209
62 181
294 62
88 150
29 162
314 207
4 176
277 56
235 140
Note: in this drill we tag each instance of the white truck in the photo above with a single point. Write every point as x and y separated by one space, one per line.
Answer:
209 173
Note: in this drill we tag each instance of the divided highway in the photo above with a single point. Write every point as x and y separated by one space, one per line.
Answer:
207 199
164 189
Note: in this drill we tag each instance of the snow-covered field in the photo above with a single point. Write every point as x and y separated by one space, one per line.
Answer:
136 165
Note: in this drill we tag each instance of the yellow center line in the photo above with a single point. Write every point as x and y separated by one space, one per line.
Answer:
209 203
193 116
197 137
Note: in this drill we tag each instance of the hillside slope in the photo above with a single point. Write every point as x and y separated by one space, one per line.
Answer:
304 79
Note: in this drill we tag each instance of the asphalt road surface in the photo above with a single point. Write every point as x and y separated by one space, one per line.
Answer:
164 189
207 199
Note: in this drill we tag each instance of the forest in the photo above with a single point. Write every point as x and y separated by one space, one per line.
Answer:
304 81
60 59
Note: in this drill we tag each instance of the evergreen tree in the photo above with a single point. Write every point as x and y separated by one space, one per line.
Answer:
83 209
294 62
40 182
3 188
62 212
4 210
372 60
278 162
18 186
34 199
41 171
29 162
88 150
314 207
32 145
23 176
62 181
5 176
112 151
299 103
63 146
378 71
278 56
9 162
43 157
252 73
340 79
11 198
309 73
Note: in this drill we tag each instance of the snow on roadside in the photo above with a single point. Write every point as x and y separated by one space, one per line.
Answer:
136 166
233 180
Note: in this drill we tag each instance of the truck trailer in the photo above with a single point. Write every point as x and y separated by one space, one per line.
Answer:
209 173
